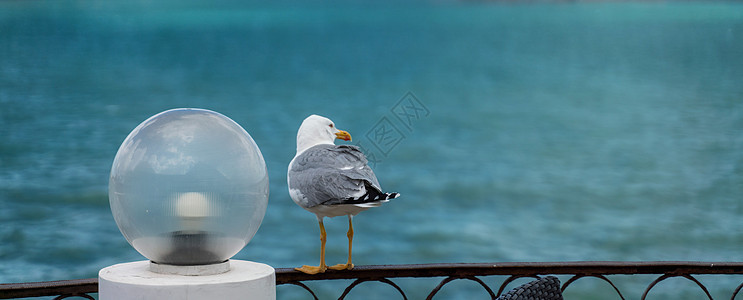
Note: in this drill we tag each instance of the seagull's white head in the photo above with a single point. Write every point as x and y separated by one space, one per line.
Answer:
316 130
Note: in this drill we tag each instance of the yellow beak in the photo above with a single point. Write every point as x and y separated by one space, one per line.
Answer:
343 135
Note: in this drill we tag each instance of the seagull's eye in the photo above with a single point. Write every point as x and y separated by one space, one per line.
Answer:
331 125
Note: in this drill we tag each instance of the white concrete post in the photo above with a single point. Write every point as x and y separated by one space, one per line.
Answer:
244 280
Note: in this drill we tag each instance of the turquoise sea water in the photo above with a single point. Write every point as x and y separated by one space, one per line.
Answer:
547 132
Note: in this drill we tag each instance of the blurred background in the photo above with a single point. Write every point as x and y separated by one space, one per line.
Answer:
546 131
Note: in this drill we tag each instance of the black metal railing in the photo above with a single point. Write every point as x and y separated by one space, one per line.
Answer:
450 272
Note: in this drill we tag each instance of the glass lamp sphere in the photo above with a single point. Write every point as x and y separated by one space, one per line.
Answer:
188 187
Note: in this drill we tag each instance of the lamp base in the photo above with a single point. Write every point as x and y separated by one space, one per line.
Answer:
135 280
198 270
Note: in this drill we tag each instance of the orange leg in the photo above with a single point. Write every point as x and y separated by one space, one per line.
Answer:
349 234
322 267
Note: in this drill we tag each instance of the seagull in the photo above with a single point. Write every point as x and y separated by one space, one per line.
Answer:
331 180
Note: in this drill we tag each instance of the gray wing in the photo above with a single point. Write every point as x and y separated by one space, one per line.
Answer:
329 174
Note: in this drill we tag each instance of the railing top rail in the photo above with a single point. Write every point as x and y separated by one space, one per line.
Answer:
48 288
375 272
519 268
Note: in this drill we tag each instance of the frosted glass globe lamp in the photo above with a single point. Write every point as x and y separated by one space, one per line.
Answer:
188 187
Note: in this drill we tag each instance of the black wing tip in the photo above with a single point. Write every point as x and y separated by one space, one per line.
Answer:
367 198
